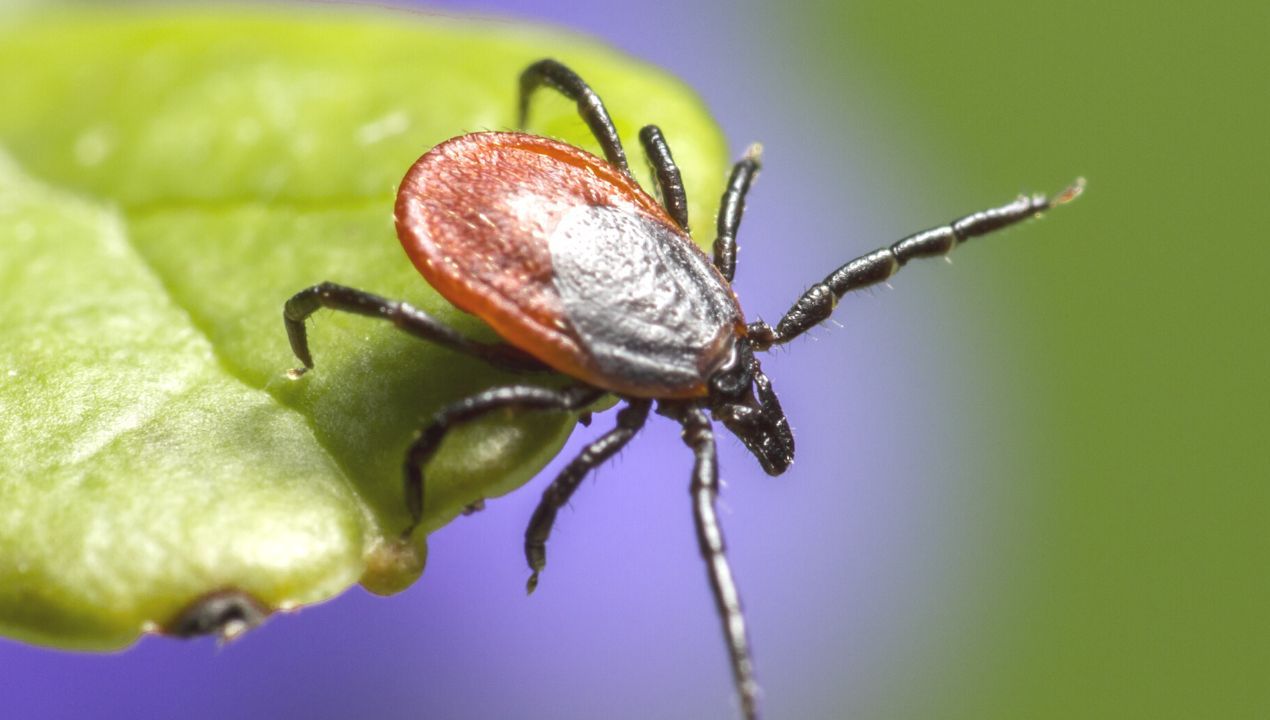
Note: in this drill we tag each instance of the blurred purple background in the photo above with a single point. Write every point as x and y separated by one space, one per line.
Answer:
851 565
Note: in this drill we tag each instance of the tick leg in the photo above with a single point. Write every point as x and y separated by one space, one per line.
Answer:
817 303
730 209
668 179
404 316
698 435
590 107
512 397
629 421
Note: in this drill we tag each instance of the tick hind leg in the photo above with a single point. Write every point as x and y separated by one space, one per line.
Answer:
699 435
517 397
669 181
404 316
818 302
590 107
629 421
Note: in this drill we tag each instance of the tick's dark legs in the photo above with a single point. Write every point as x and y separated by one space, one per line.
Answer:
518 397
629 421
699 435
590 107
668 178
818 302
730 209
408 318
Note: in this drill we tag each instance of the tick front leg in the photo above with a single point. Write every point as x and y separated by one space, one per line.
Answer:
629 421
818 302
406 317
590 107
516 397
698 435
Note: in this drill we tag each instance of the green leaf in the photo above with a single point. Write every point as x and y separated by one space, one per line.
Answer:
166 182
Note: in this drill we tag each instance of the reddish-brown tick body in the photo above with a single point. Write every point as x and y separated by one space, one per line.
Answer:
579 270
568 259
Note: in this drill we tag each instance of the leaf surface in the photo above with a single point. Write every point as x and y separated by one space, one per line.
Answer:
166 182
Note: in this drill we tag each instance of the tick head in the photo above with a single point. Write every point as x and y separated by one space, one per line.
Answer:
743 400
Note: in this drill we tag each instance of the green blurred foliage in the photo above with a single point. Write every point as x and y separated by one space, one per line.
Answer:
167 181
1139 537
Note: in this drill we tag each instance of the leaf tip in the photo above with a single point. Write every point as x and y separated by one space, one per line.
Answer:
393 564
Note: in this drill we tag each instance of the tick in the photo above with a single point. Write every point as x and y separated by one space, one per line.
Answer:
583 273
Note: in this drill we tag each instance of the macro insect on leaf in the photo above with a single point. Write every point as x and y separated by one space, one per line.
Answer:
584 274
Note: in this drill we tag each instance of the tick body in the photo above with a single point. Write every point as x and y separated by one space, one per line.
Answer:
568 259
583 273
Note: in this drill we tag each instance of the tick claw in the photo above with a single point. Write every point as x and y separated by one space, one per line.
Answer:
532 585
1072 192
296 373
